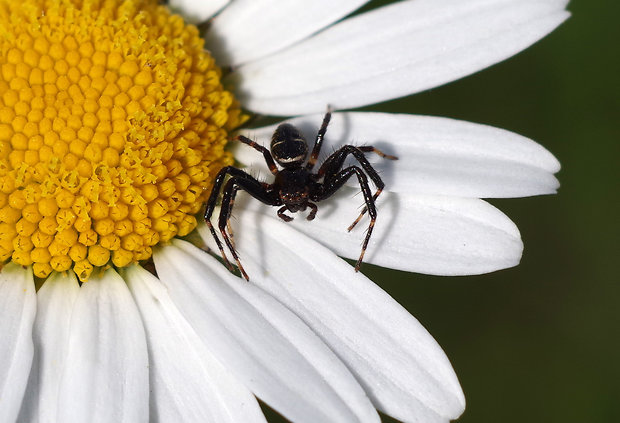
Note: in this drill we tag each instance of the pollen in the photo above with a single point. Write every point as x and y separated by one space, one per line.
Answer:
113 123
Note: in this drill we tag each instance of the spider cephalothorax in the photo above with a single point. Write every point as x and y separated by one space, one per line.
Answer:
295 187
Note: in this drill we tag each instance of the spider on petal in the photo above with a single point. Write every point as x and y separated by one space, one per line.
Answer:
295 187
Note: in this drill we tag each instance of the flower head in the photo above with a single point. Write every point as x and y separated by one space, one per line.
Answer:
113 123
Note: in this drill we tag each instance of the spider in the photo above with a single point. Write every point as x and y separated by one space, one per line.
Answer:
296 187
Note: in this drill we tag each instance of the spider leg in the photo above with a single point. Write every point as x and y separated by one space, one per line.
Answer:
335 181
334 162
319 140
255 189
266 154
364 210
371 149
368 148
228 225
212 201
228 200
231 203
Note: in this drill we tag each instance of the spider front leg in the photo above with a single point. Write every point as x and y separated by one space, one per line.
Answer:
333 182
257 190
212 202
368 148
334 162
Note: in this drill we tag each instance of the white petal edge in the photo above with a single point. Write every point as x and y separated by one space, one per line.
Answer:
196 11
250 29
105 379
55 301
18 306
399 364
187 383
411 46
437 156
260 341
447 236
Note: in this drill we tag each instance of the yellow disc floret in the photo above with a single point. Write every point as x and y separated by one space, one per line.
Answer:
113 123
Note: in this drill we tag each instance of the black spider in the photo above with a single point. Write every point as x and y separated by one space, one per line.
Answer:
295 187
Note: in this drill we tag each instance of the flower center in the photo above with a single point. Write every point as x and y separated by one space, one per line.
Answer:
113 123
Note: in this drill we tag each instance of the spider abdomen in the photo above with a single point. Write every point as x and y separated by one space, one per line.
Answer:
288 146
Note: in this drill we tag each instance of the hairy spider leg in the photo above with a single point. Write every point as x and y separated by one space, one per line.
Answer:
211 203
257 190
266 154
336 160
333 182
319 140
370 149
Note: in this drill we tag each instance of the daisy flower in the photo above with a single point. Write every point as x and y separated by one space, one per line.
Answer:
113 123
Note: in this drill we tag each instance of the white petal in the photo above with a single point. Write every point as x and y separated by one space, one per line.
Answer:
427 234
187 383
250 29
434 235
196 11
260 341
400 49
105 378
399 364
18 306
436 155
55 302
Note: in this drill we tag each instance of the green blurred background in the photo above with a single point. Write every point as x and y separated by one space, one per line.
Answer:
539 342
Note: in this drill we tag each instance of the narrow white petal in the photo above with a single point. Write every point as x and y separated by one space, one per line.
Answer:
260 341
196 11
434 235
399 364
18 306
250 29
55 302
105 378
187 383
394 51
436 155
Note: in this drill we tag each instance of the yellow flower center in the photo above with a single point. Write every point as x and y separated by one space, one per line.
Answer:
113 123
